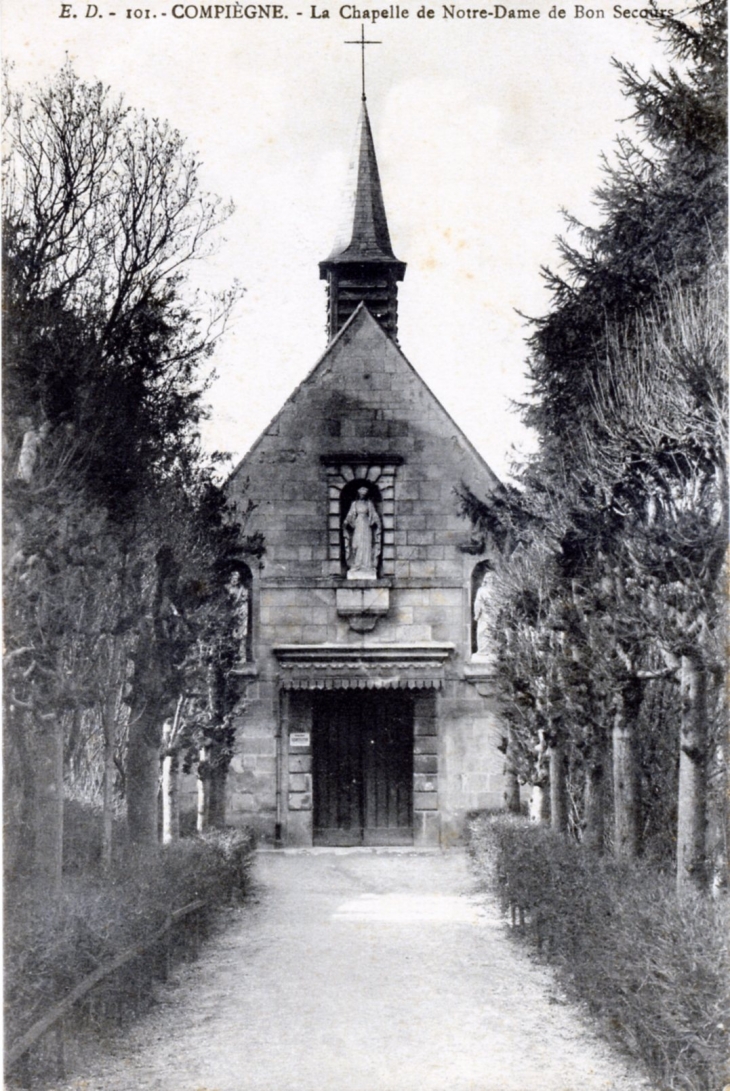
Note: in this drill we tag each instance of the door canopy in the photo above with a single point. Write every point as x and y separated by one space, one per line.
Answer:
378 666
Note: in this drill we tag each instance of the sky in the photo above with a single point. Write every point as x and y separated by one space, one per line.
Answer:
484 130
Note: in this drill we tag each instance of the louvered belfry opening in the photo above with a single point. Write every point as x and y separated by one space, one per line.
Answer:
362 267
347 287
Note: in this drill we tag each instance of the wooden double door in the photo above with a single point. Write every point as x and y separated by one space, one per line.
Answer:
362 764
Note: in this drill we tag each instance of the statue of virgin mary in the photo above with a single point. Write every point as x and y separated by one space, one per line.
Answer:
362 532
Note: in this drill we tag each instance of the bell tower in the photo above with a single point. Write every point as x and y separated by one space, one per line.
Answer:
362 267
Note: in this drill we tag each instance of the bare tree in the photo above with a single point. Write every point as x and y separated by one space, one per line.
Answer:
104 347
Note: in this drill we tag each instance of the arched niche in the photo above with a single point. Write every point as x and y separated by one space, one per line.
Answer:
480 570
241 591
380 472
348 494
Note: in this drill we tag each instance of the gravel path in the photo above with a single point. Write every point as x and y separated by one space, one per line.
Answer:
361 970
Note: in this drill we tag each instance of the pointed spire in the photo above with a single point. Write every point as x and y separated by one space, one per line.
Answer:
364 235
362 266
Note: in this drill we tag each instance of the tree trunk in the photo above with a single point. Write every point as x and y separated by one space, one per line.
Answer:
18 766
511 793
692 790
717 810
203 817
625 778
540 804
47 813
593 804
143 778
110 717
154 677
171 735
217 799
539 808
170 797
557 759
107 818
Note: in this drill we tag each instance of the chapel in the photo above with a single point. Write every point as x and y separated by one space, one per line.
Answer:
370 716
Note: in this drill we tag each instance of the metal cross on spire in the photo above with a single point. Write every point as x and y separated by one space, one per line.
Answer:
362 42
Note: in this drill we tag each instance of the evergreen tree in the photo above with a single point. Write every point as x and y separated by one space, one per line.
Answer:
620 521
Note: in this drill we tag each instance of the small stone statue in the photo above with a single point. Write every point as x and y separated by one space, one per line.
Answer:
362 530
30 448
241 604
481 616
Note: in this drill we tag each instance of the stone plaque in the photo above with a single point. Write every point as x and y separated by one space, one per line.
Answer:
299 740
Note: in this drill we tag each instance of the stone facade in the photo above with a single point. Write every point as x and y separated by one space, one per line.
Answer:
363 419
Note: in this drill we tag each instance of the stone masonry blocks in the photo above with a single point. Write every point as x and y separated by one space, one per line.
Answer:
300 782
425 801
300 802
341 420
425 763
424 782
425 727
261 746
299 829
427 829
426 744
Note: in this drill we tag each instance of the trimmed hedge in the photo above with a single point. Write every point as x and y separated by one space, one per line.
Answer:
653 968
51 944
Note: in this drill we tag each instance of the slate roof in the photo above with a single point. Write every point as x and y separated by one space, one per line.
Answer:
364 235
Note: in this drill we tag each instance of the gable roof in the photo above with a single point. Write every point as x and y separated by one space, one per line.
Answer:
360 354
